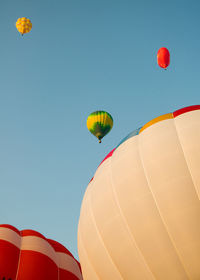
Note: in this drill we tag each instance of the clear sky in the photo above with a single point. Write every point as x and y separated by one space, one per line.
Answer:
82 56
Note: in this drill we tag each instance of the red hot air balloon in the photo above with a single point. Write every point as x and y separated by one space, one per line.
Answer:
28 255
163 58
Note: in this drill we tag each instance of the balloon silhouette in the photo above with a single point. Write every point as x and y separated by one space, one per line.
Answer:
99 123
23 25
163 58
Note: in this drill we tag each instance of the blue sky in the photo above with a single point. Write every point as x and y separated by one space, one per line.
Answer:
82 56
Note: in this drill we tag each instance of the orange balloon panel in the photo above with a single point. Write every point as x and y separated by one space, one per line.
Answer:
163 57
140 215
27 254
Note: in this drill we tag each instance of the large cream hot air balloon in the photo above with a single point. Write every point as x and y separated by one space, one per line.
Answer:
140 216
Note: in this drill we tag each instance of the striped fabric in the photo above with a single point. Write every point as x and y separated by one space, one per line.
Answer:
28 255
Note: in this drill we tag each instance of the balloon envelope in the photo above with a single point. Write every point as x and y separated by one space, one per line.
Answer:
28 255
23 25
140 215
99 123
163 57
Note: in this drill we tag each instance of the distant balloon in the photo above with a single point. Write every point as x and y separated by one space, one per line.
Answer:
28 255
163 57
99 123
23 25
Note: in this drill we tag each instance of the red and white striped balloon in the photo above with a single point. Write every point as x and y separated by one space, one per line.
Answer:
28 255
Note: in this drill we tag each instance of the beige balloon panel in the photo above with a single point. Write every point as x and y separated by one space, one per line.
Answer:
140 216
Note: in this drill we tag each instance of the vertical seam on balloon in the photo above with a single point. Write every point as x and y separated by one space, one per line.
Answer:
159 211
19 257
100 237
127 226
86 253
104 118
57 263
186 160
69 265
91 213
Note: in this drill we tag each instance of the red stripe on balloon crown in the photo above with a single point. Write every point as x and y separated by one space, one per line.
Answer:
185 110
108 155
30 232
10 227
59 247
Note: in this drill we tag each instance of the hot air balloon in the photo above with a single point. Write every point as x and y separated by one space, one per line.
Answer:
23 25
140 215
163 58
99 123
28 255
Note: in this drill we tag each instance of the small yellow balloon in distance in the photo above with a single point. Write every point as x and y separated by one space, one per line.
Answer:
23 25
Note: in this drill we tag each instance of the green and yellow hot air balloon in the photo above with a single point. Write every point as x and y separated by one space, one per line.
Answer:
99 123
